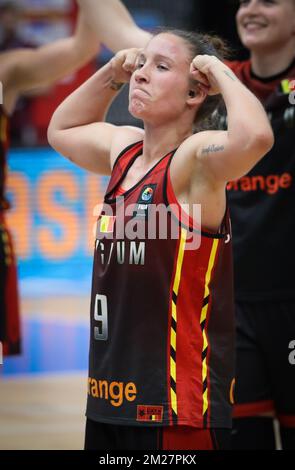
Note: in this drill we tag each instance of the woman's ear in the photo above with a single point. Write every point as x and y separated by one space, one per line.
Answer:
196 95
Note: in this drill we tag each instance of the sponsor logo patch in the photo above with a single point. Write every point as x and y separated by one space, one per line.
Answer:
150 413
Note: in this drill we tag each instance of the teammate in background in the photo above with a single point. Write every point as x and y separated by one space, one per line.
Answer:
262 207
161 354
114 24
21 70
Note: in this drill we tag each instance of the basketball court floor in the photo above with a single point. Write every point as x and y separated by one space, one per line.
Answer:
43 394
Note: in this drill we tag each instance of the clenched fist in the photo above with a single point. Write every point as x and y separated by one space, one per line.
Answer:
206 69
123 64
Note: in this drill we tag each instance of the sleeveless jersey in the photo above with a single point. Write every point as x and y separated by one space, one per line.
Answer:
161 350
262 202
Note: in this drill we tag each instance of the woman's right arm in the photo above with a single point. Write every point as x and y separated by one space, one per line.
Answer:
77 130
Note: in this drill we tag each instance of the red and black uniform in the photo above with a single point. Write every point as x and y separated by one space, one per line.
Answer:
9 309
263 223
162 327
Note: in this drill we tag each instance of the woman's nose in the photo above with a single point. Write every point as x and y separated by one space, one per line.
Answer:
141 74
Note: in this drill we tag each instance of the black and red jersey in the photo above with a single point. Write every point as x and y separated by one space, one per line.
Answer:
162 328
262 202
10 334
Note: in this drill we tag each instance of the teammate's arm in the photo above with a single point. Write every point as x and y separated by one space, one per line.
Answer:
228 155
114 24
44 65
77 130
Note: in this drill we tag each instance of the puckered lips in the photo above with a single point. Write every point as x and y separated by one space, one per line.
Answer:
140 90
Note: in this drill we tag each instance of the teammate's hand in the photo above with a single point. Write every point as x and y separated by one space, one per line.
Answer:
123 64
203 69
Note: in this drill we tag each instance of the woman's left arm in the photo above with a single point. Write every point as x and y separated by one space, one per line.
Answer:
228 155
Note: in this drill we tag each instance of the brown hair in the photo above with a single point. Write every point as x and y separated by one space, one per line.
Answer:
200 43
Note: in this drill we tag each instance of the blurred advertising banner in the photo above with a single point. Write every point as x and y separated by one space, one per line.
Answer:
52 216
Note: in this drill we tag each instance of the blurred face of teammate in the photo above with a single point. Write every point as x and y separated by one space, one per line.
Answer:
160 84
266 24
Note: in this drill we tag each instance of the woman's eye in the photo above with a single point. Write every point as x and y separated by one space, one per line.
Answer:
140 65
162 67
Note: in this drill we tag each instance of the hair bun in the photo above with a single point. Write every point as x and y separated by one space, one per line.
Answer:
221 47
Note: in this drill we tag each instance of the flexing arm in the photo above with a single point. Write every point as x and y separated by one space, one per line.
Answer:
114 24
30 68
77 130
228 155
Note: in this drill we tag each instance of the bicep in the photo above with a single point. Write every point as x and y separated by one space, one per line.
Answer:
87 146
220 157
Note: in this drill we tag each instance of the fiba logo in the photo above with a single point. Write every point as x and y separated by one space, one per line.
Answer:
292 94
292 354
147 194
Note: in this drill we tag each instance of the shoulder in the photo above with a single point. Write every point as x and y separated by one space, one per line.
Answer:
123 137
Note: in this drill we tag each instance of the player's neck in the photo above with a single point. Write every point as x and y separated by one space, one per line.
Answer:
158 142
266 64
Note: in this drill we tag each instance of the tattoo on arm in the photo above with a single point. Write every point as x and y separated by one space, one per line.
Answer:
228 73
212 149
116 85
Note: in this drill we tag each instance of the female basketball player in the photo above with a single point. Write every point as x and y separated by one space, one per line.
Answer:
161 357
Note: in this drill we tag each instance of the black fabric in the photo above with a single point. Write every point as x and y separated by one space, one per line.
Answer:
255 433
288 438
264 370
221 438
101 436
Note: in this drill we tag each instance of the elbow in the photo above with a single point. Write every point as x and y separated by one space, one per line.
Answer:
265 140
261 143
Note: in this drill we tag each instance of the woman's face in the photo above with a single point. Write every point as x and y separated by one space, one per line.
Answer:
266 24
160 84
